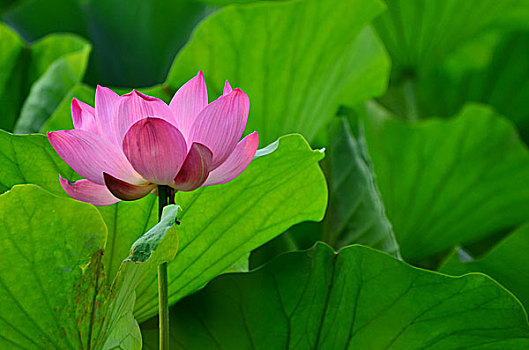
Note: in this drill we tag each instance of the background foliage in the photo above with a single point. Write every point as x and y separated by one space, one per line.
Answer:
421 107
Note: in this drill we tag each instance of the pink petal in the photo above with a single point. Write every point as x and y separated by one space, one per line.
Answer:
220 125
90 155
105 103
188 101
195 169
156 149
135 106
237 161
83 117
125 191
89 192
227 88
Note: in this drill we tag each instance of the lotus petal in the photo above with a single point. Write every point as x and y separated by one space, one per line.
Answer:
135 106
90 155
240 158
125 191
188 102
156 149
195 169
89 192
220 125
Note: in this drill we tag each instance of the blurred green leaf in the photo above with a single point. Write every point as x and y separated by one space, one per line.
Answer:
4 5
134 41
51 48
297 60
34 19
502 80
358 298
507 263
35 79
59 77
420 34
449 182
61 119
11 93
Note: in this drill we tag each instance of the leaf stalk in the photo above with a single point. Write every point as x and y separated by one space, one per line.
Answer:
165 195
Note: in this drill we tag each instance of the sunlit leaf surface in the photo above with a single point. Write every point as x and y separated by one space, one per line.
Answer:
297 60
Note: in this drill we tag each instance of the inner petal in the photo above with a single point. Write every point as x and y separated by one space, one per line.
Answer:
195 169
156 149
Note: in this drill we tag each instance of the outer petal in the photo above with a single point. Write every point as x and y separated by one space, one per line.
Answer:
90 155
125 191
227 88
195 169
221 124
237 161
188 102
135 106
106 101
156 149
86 191
83 117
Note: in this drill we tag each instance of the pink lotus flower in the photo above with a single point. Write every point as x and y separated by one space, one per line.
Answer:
129 144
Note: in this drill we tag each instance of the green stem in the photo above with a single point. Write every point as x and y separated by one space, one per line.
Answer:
163 295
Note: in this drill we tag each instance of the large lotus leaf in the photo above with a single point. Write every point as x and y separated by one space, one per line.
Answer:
449 182
136 50
501 80
54 293
220 224
507 263
45 244
420 34
297 60
30 159
35 78
358 298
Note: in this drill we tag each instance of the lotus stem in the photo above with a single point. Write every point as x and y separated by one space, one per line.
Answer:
163 295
